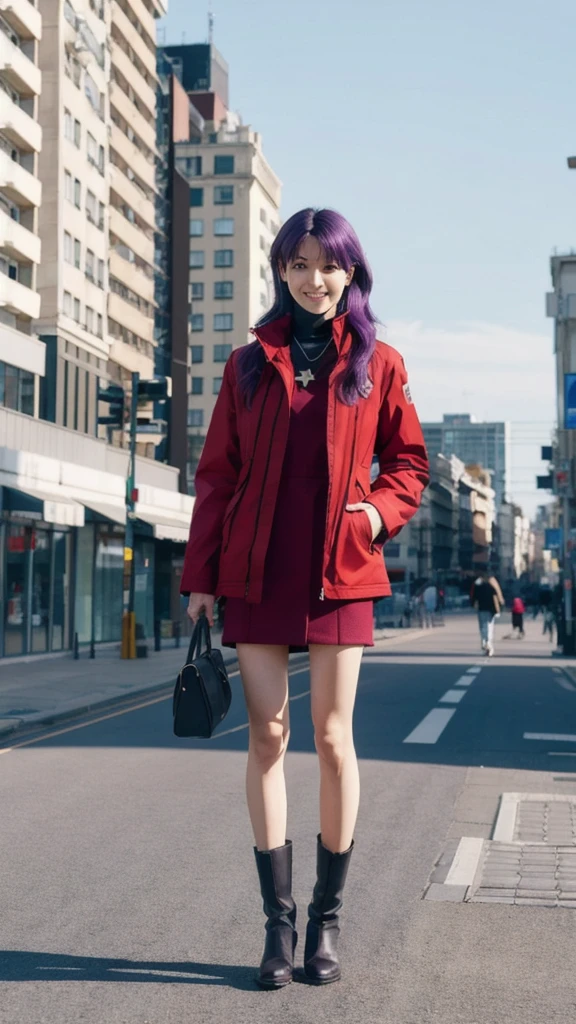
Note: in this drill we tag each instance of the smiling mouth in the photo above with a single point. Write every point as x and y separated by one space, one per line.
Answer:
321 295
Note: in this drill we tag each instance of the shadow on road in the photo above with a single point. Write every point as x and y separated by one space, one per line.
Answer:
25 965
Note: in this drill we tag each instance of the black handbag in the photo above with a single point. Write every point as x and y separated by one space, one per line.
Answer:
202 694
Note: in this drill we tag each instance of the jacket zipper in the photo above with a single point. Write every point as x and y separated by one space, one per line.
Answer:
263 483
343 512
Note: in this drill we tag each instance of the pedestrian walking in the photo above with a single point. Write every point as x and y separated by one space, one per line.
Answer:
429 602
485 601
518 609
288 526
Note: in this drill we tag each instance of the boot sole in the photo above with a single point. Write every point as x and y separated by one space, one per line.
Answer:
322 981
273 984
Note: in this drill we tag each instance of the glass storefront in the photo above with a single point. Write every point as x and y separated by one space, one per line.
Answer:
34 597
98 592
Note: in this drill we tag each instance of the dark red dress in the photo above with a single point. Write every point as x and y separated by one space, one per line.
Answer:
291 612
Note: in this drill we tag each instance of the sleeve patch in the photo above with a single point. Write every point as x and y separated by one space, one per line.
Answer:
407 394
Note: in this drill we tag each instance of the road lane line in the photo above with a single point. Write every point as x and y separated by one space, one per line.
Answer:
474 671
566 685
465 863
465 681
452 697
561 753
135 707
431 727
554 737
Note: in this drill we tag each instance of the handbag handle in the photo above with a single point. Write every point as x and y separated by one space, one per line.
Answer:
200 636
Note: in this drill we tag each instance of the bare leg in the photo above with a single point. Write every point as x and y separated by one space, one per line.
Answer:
333 680
264 672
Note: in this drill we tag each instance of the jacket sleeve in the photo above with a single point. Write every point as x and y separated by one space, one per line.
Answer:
397 490
215 483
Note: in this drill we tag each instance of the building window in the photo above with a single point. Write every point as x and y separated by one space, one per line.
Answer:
224 258
263 217
99 325
223 195
67 305
196 228
223 321
77 193
194 166
263 299
197 322
197 353
197 386
223 165
68 248
77 310
263 273
77 253
216 385
196 259
16 389
90 320
68 187
90 264
195 417
196 291
196 197
100 279
221 353
77 133
95 153
224 290
224 226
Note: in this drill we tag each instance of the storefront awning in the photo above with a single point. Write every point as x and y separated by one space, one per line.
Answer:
166 527
115 513
52 506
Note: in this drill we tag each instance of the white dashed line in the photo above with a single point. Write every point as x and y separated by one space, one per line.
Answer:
554 737
431 727
452 697
465 681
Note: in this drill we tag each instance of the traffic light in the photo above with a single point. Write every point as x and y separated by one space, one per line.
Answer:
113 394
155 390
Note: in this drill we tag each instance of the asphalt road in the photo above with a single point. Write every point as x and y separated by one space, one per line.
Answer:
128 892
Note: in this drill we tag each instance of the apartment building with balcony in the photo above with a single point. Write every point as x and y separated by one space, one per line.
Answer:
233 217
22 354
132 214
72 278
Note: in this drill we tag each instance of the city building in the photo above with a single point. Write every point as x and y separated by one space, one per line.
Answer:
22 354
515 545
475 443
72 277
132 214
234 200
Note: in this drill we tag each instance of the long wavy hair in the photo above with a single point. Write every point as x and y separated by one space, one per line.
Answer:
339 242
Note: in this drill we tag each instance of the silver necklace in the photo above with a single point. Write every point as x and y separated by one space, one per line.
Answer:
304 377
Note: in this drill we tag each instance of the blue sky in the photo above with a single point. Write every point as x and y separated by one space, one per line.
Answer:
441 130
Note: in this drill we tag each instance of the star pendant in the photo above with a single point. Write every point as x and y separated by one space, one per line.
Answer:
304 377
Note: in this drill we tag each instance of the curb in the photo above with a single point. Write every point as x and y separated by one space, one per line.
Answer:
20 725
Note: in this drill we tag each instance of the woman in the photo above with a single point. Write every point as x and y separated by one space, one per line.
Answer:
485 600
518 609
288 527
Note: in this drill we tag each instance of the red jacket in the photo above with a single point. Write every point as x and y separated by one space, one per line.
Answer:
239 472
518 606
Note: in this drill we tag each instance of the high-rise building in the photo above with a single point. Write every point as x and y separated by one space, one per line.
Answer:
72 277
234 215
475 443
132 215
22 355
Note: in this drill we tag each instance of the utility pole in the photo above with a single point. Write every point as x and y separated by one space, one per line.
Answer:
128 613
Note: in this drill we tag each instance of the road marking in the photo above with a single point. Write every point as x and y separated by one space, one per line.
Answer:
452 697
554 737
431 727
562 753
474 671
465 863
566 685
135 707
465 681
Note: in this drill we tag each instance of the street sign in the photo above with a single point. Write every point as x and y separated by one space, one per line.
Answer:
552 538
570 401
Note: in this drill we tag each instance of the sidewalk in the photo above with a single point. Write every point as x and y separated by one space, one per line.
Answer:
43 691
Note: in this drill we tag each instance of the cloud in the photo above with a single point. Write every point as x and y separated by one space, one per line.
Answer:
493 372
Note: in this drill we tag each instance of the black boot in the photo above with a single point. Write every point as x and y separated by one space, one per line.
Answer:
320 958
275 873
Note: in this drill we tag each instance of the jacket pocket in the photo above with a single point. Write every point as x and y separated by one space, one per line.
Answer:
230 514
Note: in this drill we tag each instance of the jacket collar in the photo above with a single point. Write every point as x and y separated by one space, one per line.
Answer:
274 337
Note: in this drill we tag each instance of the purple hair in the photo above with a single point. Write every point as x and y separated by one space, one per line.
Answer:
338 240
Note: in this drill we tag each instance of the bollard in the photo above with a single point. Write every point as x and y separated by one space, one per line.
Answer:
141 645
177 630
157 635
75 650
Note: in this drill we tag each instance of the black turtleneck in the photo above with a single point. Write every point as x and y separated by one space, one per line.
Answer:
313 333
